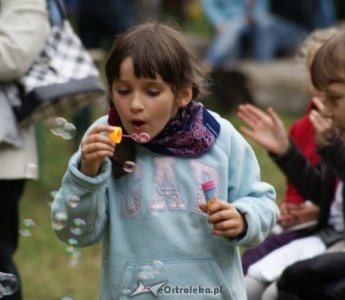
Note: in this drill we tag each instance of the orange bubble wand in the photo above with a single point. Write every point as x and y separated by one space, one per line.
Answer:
116 136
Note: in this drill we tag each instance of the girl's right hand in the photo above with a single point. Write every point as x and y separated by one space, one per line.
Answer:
94 148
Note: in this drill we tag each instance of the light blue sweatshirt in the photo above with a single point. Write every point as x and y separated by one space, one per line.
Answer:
223 11
156 241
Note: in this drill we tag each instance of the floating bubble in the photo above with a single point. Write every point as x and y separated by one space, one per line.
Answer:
30 170
68 131
8 284
60 127
145 275
78 226
129 166
28 224
66 298
59 221
75 258
73 201
72 243
52 195
157 266
126 292
57 126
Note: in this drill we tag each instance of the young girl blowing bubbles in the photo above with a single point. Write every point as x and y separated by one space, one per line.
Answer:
159 237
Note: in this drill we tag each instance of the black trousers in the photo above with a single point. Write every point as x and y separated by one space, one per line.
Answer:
10 194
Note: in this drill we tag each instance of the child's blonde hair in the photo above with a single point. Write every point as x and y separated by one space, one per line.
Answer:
313 42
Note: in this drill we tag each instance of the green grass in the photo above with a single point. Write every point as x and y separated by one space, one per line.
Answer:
42 259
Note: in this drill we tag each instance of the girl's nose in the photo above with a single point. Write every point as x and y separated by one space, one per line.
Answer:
136 103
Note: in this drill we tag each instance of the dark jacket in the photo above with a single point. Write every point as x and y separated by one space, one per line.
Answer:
316 183
320 277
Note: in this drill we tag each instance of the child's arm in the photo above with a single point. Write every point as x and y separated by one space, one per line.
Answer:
268 130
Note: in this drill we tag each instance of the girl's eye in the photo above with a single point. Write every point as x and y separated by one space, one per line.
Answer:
153 93
123 91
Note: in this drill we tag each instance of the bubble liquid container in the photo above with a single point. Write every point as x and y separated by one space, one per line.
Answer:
210 191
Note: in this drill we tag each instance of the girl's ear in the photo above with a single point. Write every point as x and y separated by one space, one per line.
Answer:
185 96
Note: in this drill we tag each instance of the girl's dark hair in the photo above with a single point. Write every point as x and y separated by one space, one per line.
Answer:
155 48
328 65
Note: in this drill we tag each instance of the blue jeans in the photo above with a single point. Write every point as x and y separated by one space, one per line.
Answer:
266 38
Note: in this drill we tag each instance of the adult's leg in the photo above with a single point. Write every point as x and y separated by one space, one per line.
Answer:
11 192
225 46
254 288
271 292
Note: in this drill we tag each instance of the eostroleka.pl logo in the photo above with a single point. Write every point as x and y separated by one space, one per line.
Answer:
153 289
163 288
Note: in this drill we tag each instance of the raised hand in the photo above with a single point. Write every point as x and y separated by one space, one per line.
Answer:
266 129
322 123
95 146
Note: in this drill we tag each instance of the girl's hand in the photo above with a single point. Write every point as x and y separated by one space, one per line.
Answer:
266 129
94 148
225 218
322 123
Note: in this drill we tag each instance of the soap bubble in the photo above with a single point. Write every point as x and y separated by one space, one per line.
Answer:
59 221
75 258
8 284
60 127
145 275
157 266
69 131
28 224
30 170
72 243
78 226
57 126
73 201
129 166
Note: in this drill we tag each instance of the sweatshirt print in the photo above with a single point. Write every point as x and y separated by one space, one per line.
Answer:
156 241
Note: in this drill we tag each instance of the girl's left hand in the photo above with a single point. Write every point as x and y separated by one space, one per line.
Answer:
225 218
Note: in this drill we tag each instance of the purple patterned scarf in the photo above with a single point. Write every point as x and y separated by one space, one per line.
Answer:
191 133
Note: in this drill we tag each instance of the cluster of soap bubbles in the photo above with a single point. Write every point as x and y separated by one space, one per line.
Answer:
147 272
60 127
27 226
76 227
8 284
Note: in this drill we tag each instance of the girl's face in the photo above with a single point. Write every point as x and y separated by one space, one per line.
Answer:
335 104
144 104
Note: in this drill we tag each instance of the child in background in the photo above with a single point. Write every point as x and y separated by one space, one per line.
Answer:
294 210
321 184
322 277
157 235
